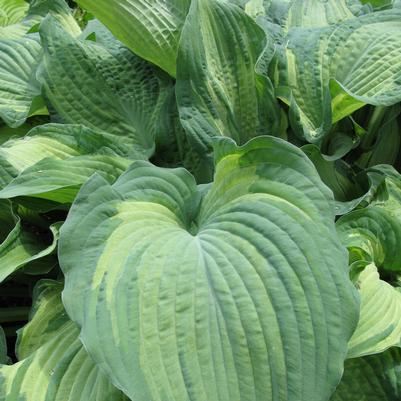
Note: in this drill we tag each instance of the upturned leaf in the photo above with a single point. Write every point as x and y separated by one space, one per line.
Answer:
234 291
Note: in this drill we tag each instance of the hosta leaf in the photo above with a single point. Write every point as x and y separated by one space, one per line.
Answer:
309 13
379 326
37 10
20 56
234 291
18 245
7 133
19 60
357 57
373 234
12 11
54 141
47 317
219 91
60 180
56 366
58 9
150 28
117 92
371 378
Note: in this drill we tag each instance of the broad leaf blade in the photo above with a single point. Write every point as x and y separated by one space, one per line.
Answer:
19 60
243 294
346 55
309 13
219 91
55 141
60 180
12 11
118 93
379 326
150 28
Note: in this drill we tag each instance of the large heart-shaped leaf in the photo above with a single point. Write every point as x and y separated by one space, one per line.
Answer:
150 28
56 366
219 91
118 93
234 291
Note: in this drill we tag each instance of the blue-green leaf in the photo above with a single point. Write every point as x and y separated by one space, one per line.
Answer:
234 291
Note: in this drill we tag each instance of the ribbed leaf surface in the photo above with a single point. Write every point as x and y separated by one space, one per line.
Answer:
150 28
219 91
242 295
19 60
118 93
379 326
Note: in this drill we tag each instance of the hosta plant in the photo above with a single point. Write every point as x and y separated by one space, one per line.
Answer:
200 200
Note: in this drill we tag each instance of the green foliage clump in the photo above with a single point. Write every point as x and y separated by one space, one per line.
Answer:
200 200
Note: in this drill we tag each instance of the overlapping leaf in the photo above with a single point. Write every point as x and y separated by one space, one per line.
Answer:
12 11
309 13
18 245
55 365
19 59
236 292
332 61
381 143
150 28
19 17
372 378
20 55
219 91
339 177
118 93
60 180
379 327
54 160
372 235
